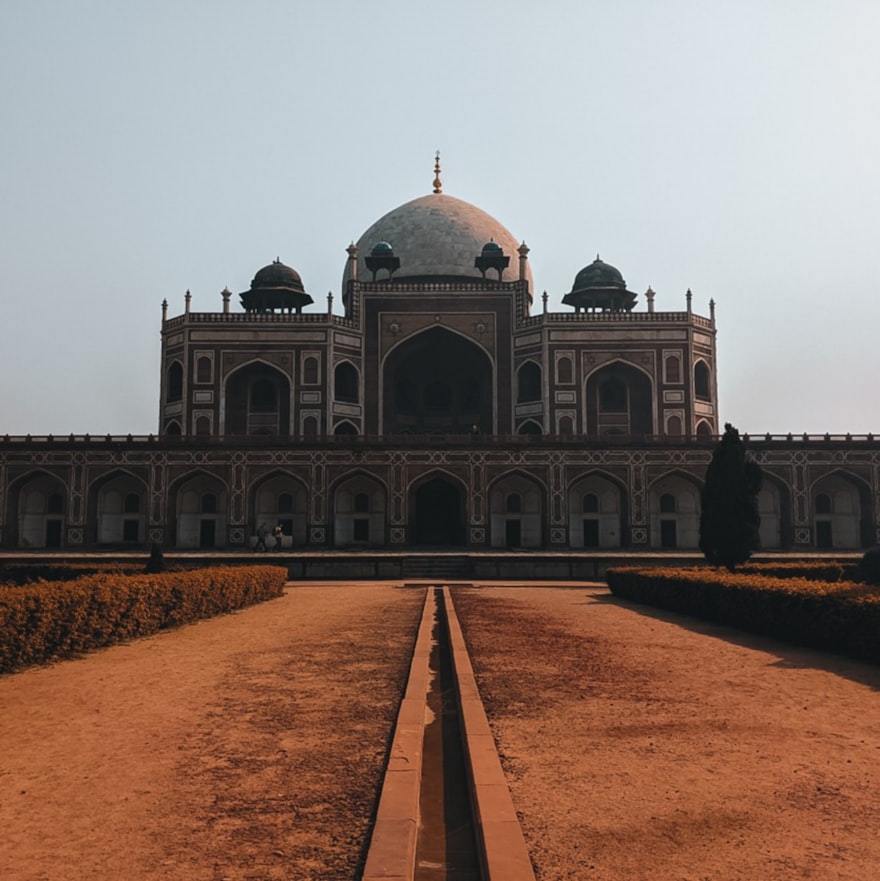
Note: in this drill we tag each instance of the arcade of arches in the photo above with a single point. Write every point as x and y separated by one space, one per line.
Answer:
517 509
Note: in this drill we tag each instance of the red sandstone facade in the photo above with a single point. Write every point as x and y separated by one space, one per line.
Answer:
441 408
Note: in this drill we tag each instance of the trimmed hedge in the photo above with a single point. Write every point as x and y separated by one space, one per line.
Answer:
840 617
44 621
817 571
27 573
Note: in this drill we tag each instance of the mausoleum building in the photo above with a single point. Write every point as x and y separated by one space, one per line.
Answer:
444 406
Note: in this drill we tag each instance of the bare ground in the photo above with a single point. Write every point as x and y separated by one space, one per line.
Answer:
639 745
245 747
646 746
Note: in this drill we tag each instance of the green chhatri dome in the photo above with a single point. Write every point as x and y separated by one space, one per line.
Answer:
600 287
598 274
276 286
278 276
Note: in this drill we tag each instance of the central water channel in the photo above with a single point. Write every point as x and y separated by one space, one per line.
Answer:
445 812
446 846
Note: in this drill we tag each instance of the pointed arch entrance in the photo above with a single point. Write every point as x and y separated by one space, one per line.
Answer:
438 519
437 382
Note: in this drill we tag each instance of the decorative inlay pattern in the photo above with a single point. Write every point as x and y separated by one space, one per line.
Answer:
795 467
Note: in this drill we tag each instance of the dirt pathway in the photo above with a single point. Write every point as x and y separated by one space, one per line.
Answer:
644 746
639 745
245 747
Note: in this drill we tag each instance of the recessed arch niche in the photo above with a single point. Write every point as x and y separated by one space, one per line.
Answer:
258 401
437 382
620 401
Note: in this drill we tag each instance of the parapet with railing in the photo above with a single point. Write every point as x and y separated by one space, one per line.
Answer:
417 441
627 318
271 318
291 319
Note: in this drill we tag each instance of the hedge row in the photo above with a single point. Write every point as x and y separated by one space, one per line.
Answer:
841 617
818 571
25 573
39 622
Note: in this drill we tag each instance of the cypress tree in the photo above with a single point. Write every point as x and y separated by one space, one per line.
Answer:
729 519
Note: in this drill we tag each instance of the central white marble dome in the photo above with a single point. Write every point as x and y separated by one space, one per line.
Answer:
437 236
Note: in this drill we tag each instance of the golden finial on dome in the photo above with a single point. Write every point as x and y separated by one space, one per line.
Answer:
438 184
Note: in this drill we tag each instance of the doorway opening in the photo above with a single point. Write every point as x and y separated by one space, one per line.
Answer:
207 533
439 514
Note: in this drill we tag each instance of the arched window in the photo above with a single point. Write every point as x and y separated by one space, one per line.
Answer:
673 426
174 387
346 382
173 428
704 431
362 503
528 383
310 371
563 370
131 504
310 427
55 504
667 503
673 368
345 428
566 425
702 383
203 426
203 369
823 504
613 396
513 503
208 504
590 504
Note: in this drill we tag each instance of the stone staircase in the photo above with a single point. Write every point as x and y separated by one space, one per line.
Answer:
441 568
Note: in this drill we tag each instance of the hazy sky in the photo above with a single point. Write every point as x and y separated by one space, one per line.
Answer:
729 147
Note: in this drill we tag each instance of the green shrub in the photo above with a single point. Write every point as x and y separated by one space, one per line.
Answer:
48 620
729 518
